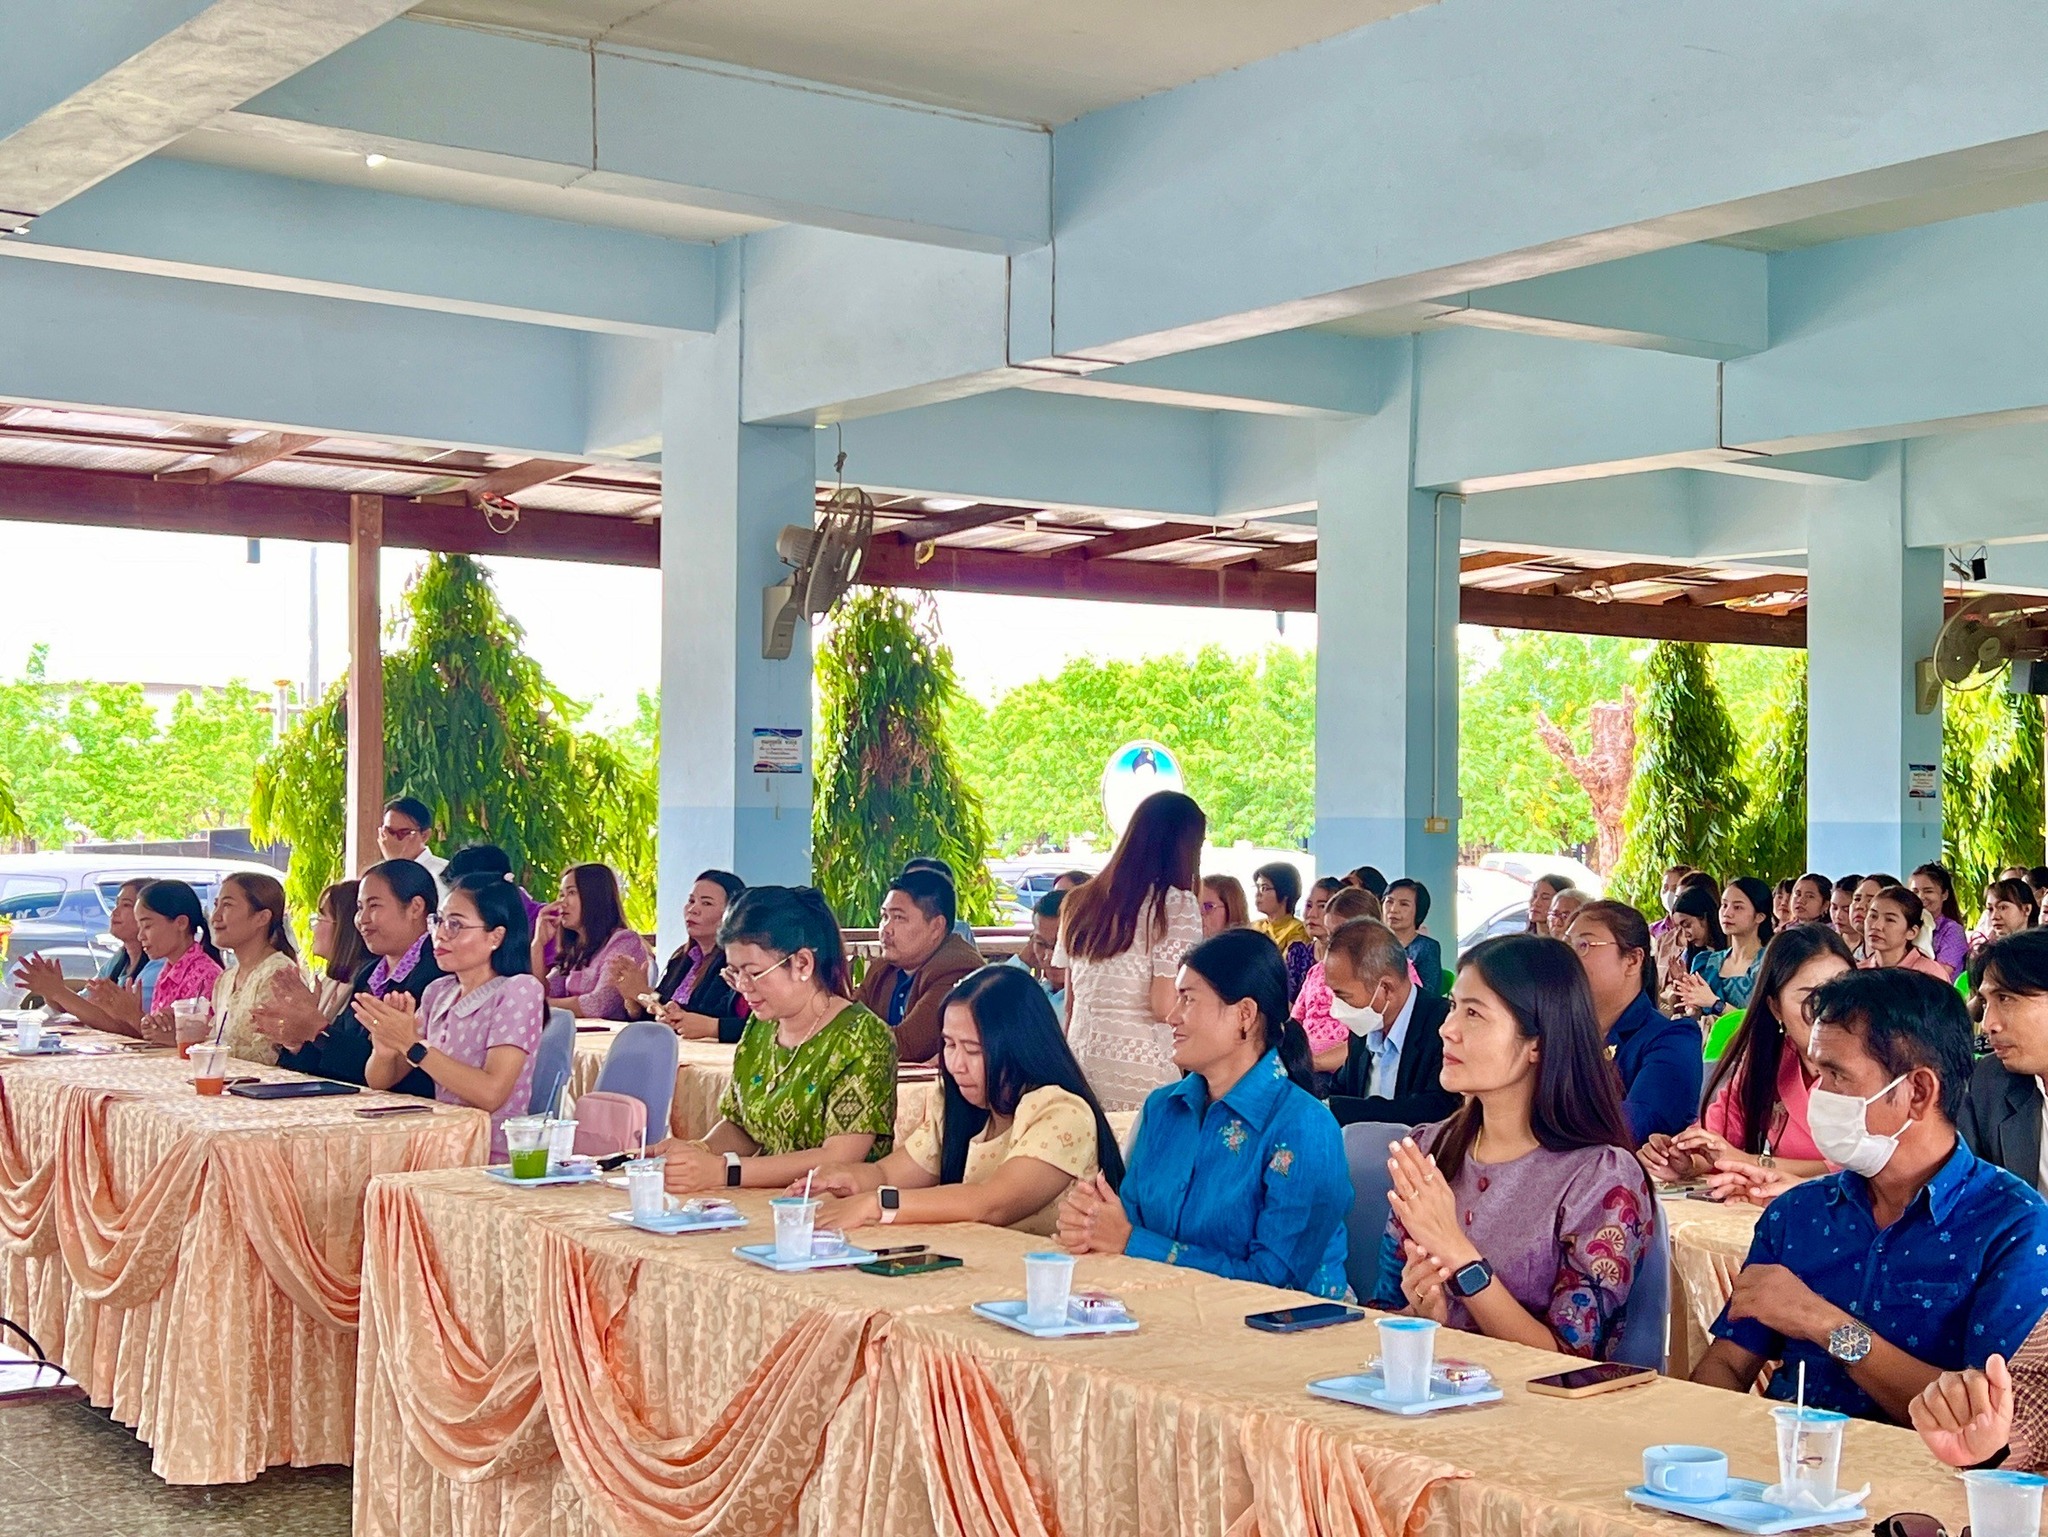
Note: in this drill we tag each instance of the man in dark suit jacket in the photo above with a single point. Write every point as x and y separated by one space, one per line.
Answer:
1393 1071
921 960
2001 1119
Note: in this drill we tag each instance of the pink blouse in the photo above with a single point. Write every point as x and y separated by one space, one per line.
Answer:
1916 959
1791 1134
505 1011
1312 1009
606 1001
191 975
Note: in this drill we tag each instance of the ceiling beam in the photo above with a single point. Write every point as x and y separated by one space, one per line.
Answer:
940 524
244 457
1605 576
1741 587
1286 557
1132 539
1634 621
506 482
892 564
1490 560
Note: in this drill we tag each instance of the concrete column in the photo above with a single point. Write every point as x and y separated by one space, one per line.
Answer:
1386 653
727 490
1873 609
365 684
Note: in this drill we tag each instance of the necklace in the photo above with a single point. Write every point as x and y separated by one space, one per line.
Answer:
774 1079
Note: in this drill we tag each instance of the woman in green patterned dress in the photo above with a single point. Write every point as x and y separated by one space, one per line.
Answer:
814 1076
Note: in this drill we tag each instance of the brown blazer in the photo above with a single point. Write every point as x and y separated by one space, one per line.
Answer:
917 1038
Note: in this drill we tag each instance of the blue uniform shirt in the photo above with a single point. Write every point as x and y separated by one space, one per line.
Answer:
1253 1186
1961 1274
1661 1062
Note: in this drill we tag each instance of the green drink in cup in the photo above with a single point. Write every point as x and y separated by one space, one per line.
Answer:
526 1139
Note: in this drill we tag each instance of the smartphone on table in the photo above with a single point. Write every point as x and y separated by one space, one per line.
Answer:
1591 1381
1317 1315
909 1264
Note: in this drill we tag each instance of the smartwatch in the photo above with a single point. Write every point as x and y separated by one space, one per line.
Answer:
891 1200
1470 1280
416 1053
732 1171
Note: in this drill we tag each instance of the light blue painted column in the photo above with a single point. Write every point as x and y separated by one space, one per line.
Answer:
1873 609
1386 652
727 490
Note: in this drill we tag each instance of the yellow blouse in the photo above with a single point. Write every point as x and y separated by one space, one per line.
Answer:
1050 1125
235 995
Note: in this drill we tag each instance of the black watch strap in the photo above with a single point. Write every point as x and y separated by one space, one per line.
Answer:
1470 1280
416 1053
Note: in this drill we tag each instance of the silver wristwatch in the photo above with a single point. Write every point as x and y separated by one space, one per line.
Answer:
1849 1343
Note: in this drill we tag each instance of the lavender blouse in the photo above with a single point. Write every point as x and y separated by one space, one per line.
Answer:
1564 1232
605 1000
505 1011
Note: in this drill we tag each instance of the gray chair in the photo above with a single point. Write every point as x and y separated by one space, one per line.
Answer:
642 1063
551 1061
1646 1325
1366 1144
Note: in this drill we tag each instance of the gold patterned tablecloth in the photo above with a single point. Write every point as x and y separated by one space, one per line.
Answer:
529 1366
1709 1241
195 1262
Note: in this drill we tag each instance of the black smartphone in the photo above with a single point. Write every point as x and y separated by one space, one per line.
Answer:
379 1112
1317 1315
1590 1381
909 1264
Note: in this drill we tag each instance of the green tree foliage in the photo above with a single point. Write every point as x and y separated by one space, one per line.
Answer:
890 783
1244 731
1771 843
1515 794
1991 785
472 727
95 760
1686 803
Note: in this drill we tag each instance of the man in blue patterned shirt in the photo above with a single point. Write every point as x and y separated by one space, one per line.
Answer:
1918 1257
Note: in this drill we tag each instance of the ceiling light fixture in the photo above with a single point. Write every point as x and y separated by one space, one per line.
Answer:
373 160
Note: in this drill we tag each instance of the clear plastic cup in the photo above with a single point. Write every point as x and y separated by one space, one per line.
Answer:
2004 1503
644 1187
1407 1351
28 1031
526 1144
795 1216
210 1067
561 1144
190 1017
1809 1451
1048 1282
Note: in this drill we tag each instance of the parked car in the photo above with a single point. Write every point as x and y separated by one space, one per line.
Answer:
58 904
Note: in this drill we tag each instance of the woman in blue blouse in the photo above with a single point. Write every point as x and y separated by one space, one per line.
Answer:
1238 1169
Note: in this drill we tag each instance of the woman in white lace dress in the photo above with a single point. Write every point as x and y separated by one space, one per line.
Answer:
1122 937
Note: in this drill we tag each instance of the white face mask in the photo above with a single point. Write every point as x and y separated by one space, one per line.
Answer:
1841 1129
1359 1021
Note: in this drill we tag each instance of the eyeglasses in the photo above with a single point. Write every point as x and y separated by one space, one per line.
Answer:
1212 907
1912 1523
1585 944
739 976
454 928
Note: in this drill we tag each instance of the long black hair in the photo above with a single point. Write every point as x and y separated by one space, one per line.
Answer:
1938 873
1695 902
1022 1048
1577 1102
175 899
1243 963
497 904
1630 931
1758 896
1749 1064
601 915
787 919
1160 851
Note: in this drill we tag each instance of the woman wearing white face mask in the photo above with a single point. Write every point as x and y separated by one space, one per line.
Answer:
1327 1037
1394 1057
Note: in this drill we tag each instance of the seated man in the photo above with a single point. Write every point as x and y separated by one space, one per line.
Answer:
2002 1113
1919 1257
1393 1065
407 832
921 960
961 927
1036 956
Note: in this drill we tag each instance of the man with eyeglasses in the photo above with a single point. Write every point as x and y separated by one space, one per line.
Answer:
405 832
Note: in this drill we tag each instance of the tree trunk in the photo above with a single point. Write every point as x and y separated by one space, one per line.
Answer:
1603 771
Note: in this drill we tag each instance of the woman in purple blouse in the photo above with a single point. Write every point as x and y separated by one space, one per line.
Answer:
1936 889
1525 1214
587 932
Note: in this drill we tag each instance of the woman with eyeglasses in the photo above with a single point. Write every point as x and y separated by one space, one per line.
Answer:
1659 1059
473 1032
1223 905
814 1078
1275 889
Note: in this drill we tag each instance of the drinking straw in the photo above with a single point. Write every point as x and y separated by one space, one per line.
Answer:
1802 1390
808 1177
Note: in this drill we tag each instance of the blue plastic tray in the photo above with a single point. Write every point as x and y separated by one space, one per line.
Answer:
1741 1510
677 1222
502 1173
763 1254
1367 1390
1011 1316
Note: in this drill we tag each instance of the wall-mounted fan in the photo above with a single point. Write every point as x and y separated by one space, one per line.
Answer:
826 562
1981 638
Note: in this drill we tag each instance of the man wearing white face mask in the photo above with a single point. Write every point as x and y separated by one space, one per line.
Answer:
1393 1067
1919 1257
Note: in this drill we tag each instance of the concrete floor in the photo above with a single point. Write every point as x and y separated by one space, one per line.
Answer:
67 1470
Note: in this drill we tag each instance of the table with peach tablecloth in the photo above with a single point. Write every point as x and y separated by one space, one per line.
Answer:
195 1262
530 1365
1709 1241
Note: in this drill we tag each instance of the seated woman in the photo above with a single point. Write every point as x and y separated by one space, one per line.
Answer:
172 928
1756 1100
2009 907
1406 911
1275 889
1009 1126
1238 1169
1524 1215
1223 905
1659 1059
338 946
1722 977
249 921
696 1000
1891 934
1316 1007
1692 930
587 932
475 1030
814 1078
43 977
1949 943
